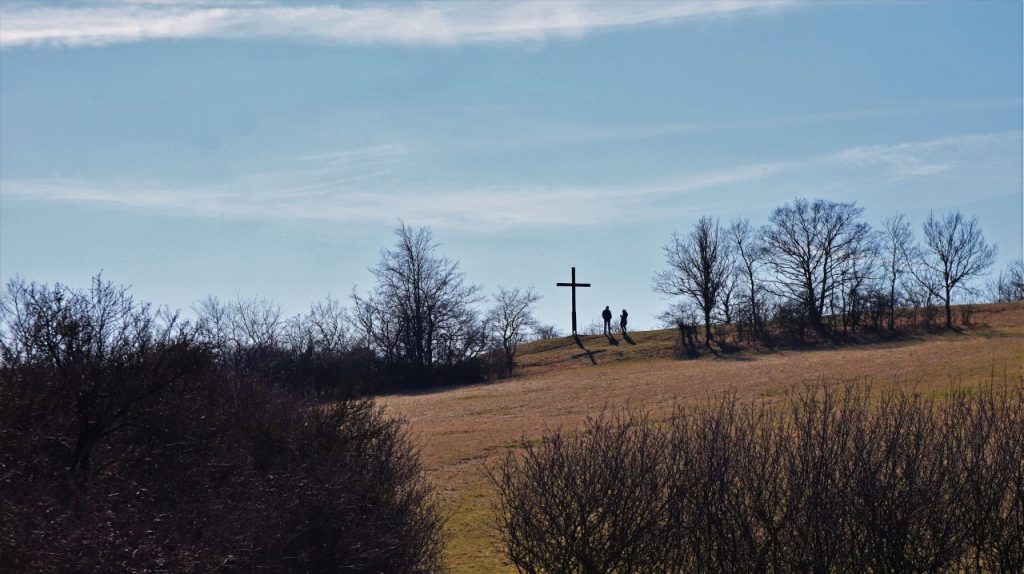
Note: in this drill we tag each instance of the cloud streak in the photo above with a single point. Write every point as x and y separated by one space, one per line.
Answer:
426 24
919 158
478 209
362 185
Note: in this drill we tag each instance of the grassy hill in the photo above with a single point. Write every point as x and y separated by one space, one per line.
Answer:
461 430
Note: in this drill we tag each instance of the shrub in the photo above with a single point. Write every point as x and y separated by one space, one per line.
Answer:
125 447
590 502
827 481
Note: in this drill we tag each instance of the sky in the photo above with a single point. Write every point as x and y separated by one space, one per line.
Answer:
268 148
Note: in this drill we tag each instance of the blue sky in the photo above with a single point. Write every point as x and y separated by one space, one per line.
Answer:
269 148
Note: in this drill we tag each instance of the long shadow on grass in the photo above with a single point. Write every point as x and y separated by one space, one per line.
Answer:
586 352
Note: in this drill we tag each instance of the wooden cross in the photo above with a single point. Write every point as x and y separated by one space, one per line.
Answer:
574 285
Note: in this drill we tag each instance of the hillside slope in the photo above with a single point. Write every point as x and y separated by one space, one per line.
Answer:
461 430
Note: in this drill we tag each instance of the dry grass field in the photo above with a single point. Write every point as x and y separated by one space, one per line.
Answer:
461 430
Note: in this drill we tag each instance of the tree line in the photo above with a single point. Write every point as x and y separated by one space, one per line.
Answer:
420 323
817 266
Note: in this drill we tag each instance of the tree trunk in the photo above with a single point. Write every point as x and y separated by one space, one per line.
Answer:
949 311
707 329
892 306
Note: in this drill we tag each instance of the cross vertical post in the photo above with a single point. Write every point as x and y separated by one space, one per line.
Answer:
573 284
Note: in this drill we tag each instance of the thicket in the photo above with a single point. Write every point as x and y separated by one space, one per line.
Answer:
826 480
126 445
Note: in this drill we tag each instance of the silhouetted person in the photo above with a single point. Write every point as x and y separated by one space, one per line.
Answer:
607 316
622 321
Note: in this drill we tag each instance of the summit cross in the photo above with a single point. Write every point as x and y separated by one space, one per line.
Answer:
574 285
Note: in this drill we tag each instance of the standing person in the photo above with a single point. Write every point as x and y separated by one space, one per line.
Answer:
607 316
622 321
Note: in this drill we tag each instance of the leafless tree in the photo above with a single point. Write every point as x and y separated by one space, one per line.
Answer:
1009 286
326 328
546 332
855 276
215 325
258 322
897 243
420 313
954 252
698 268
240 324
807 245
510 319
728 299
749 257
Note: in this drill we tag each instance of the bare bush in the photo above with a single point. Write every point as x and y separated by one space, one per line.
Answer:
588 502
125 446
98 350
830 480
684 317
546 332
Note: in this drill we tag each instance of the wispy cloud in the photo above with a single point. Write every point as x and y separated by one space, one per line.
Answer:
362 185
442 23
547 135
920 158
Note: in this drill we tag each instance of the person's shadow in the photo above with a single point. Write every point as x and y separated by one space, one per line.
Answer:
628 339
586 352
612 340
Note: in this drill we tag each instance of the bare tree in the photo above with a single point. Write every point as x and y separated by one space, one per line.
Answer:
1009 286
240 324
749 257
698 268
897 245
325 328
855 274
954 252
215 327
421 311
510 319
807 245
258 323
546 332
728 300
